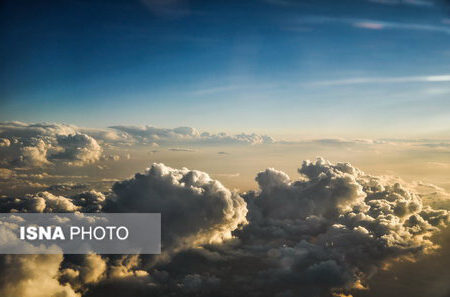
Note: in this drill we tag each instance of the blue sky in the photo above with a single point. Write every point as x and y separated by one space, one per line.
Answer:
330 68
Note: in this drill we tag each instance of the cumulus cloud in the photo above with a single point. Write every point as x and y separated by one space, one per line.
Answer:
338 226
430 194
35 145
426 276
196 208
111 157
32 276
5 173
64 187
89 201
326 233
83 270
5 142
40 202
78 149
106 135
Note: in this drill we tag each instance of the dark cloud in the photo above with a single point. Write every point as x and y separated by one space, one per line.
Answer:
327 233
65 187
423 276
333 230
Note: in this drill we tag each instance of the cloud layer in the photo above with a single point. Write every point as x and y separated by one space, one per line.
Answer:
327 233
45 145
188 134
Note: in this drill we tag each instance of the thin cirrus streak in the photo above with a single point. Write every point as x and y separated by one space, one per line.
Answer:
382 80
376 24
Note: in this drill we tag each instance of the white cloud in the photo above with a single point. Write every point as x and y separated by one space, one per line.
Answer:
35 145
32 276
376 24
5 142
383 80
419 3
179 149
196 208
149 134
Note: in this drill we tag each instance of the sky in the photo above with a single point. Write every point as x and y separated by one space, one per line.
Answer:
293 148
293 69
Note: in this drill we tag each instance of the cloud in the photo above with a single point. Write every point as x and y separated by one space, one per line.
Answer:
375 24
36 145
40 202
149 134
126 266
177 149
32 276
196 208
64 187
78 149
430 194
90 269
24 180
331 230
46 145
172 9
427 276
369 25
337 141
383 80
111 158
6 174
326 233
419 3
89 201
109 136
436 144
5 142
221 89
227 174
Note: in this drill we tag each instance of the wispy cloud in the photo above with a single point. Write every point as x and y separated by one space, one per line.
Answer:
219 89
226 174
233 87
376 24
418 3
369 25
178 149
421 3
382 80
